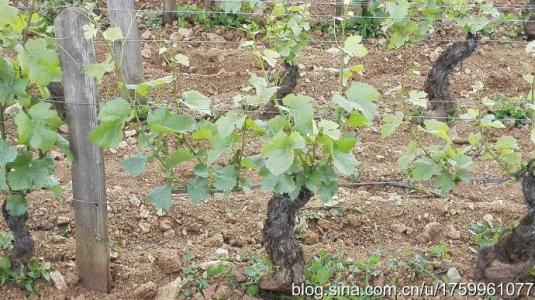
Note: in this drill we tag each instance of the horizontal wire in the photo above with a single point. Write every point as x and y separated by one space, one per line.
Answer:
156 106
312 41
477 179
334 3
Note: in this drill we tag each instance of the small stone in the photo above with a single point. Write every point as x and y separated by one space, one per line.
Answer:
333 51
307 80
169 234
221 253
237 242
399 228
134 200
143 212
488 218
212 37
146 53
168 261
166 224
430 231
169 291
206 264
130 133
145 227
58 280
71 279
60 221
453 233
58 239
114 255
215 241
145 291
310 237
146 35
131 141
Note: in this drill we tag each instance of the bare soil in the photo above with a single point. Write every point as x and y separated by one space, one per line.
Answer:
370 213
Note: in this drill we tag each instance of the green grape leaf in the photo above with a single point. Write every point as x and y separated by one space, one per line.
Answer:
225 178
144 88
3 182
437 128
345 162
16 205
356 119
162 121
227 123
270 57
361 96
182 59
98 70
179 156
8 14
279 152
444 182
197 101
198 189
117 109
39 62
37 127
329 128
201 170
410 153
424 169
391 123
7 153
135 165
107 134
506 142
113 34
489 121
264 93
230 6
301 111
353 47
162 197
418 98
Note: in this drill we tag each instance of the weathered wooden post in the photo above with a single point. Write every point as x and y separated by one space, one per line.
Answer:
127 51
88 177
169 12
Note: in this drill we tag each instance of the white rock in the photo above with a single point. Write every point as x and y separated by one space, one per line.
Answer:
61 220
184 34
58 280
145 227
489 219
221 253
333 51
453 233
130 133
169 291
143 212
134 200
146 53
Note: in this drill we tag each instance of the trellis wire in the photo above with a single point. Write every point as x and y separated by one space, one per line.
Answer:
156 106
257 187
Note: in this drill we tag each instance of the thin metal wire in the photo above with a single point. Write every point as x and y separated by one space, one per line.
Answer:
476 179
423 41
417 117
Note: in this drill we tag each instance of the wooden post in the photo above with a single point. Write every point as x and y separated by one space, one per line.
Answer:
88 177
128 51
169 12
339 8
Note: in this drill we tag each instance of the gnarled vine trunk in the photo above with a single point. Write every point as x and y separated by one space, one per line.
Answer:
281 246
287 84
58 99
529 27
437 84
23 248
